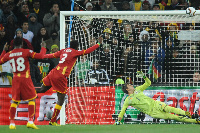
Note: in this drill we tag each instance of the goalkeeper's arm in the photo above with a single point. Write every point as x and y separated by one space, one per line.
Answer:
147 83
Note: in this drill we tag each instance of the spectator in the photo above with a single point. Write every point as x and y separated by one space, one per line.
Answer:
125 6
175 5
3 38
163 4
54 49
146 5
5 12
81 69
89 6
52 40
21 11
10 27
27 34
34 25
35 74
155 7
108 6
38 11
134 62
26 43
135 5
172 31
41 35
96 75
52 19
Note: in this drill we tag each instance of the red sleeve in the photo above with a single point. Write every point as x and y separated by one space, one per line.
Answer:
38 55
54 55
89 50
29 44
4 57
11 46
2 54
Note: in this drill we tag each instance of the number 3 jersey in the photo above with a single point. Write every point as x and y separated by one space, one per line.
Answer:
68 58
19 60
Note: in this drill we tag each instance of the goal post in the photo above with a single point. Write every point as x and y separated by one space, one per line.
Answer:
175 16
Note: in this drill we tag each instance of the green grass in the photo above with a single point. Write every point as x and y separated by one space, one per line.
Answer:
128 128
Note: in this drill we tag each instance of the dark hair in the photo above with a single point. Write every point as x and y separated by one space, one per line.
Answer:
74 44
124 87
18 41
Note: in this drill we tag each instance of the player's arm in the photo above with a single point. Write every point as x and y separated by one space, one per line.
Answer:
39 55
147 81
121 114
89 50
2 56
54 55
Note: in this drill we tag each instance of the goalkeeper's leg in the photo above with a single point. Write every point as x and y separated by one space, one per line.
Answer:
168 116
164 107
180 118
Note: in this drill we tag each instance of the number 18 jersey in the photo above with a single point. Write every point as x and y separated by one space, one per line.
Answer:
19 60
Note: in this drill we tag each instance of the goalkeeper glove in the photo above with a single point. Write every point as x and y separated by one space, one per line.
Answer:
118 123
99 43
140 74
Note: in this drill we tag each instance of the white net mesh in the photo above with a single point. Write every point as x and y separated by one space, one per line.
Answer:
164 45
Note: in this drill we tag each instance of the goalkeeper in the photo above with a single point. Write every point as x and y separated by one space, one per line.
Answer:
147 105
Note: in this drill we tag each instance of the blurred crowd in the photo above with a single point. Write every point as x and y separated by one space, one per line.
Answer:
127 46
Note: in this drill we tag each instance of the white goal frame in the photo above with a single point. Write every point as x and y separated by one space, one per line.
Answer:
140 14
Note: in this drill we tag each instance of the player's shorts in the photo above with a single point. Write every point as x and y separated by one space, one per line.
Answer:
23 89
57 80
158 111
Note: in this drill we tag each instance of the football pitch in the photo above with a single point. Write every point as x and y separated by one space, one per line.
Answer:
128 128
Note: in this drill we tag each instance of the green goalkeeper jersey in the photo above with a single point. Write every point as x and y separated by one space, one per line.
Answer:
138 100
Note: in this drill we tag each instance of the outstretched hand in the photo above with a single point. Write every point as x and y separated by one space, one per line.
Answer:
5 47
117 123
140 74
43 43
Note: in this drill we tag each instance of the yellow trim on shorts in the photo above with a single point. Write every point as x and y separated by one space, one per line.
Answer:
60 92
14 105
31 103
58 107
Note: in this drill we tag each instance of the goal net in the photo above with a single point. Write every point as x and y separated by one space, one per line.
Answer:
162 44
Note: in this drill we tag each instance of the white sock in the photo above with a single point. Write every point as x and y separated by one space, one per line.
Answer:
31 122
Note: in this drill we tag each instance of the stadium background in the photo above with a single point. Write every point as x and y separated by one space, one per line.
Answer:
105 100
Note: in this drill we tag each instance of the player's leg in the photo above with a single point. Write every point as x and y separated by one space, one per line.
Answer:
12 112
164 107
45 86
43 89
58 106
31 113
168 116
180 118
178 111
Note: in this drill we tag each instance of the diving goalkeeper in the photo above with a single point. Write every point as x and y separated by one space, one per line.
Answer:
147 105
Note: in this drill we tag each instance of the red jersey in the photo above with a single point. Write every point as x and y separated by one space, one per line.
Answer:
68 58
19 60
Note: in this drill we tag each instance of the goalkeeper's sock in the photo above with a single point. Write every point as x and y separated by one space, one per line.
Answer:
31 110
13 107
170 109
56 112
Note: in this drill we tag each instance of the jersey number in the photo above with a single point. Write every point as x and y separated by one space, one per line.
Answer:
63 58
19 65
